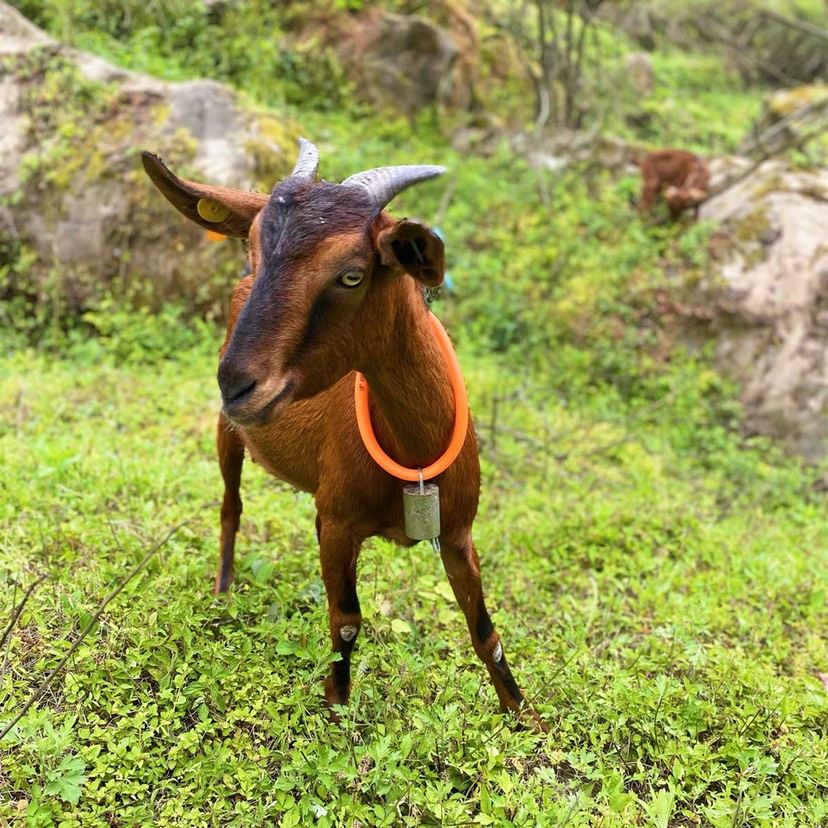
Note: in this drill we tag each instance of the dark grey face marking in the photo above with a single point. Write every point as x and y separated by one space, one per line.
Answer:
315 324
298 216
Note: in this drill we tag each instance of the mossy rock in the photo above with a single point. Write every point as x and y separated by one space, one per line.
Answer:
89 227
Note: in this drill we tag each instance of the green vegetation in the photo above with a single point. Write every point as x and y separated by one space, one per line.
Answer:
180 39
657 576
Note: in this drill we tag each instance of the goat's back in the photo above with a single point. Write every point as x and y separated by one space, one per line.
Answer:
674 167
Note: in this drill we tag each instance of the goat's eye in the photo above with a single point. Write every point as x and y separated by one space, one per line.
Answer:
351 278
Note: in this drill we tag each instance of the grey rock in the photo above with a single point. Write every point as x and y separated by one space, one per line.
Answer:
109 226
768 298
406 61
18 34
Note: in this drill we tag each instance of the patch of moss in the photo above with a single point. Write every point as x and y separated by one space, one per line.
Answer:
64 110
785 102
750 233
769 184
750 227
273 150
820 251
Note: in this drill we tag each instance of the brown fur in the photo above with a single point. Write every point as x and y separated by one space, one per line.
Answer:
681 175
289 401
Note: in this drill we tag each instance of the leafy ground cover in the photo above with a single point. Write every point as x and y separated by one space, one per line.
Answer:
656 579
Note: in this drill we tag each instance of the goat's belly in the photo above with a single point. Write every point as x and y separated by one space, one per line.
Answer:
397 535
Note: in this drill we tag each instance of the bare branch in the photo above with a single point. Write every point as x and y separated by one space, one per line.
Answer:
798 142
793 23
780 126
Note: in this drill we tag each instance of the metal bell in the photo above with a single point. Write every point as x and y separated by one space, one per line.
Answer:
421 509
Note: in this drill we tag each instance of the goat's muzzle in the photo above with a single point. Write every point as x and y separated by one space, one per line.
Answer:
236 385
246 400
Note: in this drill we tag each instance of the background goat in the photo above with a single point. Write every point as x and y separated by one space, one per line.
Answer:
681 175
336 285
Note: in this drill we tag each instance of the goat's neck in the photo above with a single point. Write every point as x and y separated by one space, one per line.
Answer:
412 404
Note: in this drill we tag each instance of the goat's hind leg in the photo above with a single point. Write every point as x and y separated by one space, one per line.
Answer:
231 458
463 570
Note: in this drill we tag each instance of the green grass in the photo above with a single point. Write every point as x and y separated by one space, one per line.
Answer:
660 599
658 578
698 104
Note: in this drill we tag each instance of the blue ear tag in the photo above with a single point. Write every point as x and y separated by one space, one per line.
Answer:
448 282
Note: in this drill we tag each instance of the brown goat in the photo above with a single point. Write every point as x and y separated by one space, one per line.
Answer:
336 286
681 175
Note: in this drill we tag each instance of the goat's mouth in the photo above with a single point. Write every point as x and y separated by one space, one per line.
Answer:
267 413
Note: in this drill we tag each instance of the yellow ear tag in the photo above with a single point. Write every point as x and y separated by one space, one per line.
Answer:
212 211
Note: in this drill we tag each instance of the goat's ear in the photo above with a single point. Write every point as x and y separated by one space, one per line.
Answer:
225 211
414 248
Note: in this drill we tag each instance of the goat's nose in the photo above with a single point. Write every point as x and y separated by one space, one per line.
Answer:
235 384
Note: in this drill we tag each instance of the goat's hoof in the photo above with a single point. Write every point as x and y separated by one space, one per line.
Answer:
536 723
334 698
527 719
336 710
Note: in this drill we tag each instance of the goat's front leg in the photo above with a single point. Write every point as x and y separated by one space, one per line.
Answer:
463 569
231 458
338 551
649 191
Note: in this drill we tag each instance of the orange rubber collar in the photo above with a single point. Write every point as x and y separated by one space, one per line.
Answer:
461 416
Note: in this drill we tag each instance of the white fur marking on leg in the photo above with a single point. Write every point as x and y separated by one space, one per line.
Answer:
498 652
348 632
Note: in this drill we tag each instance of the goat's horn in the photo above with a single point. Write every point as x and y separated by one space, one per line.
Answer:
384 183
308 162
